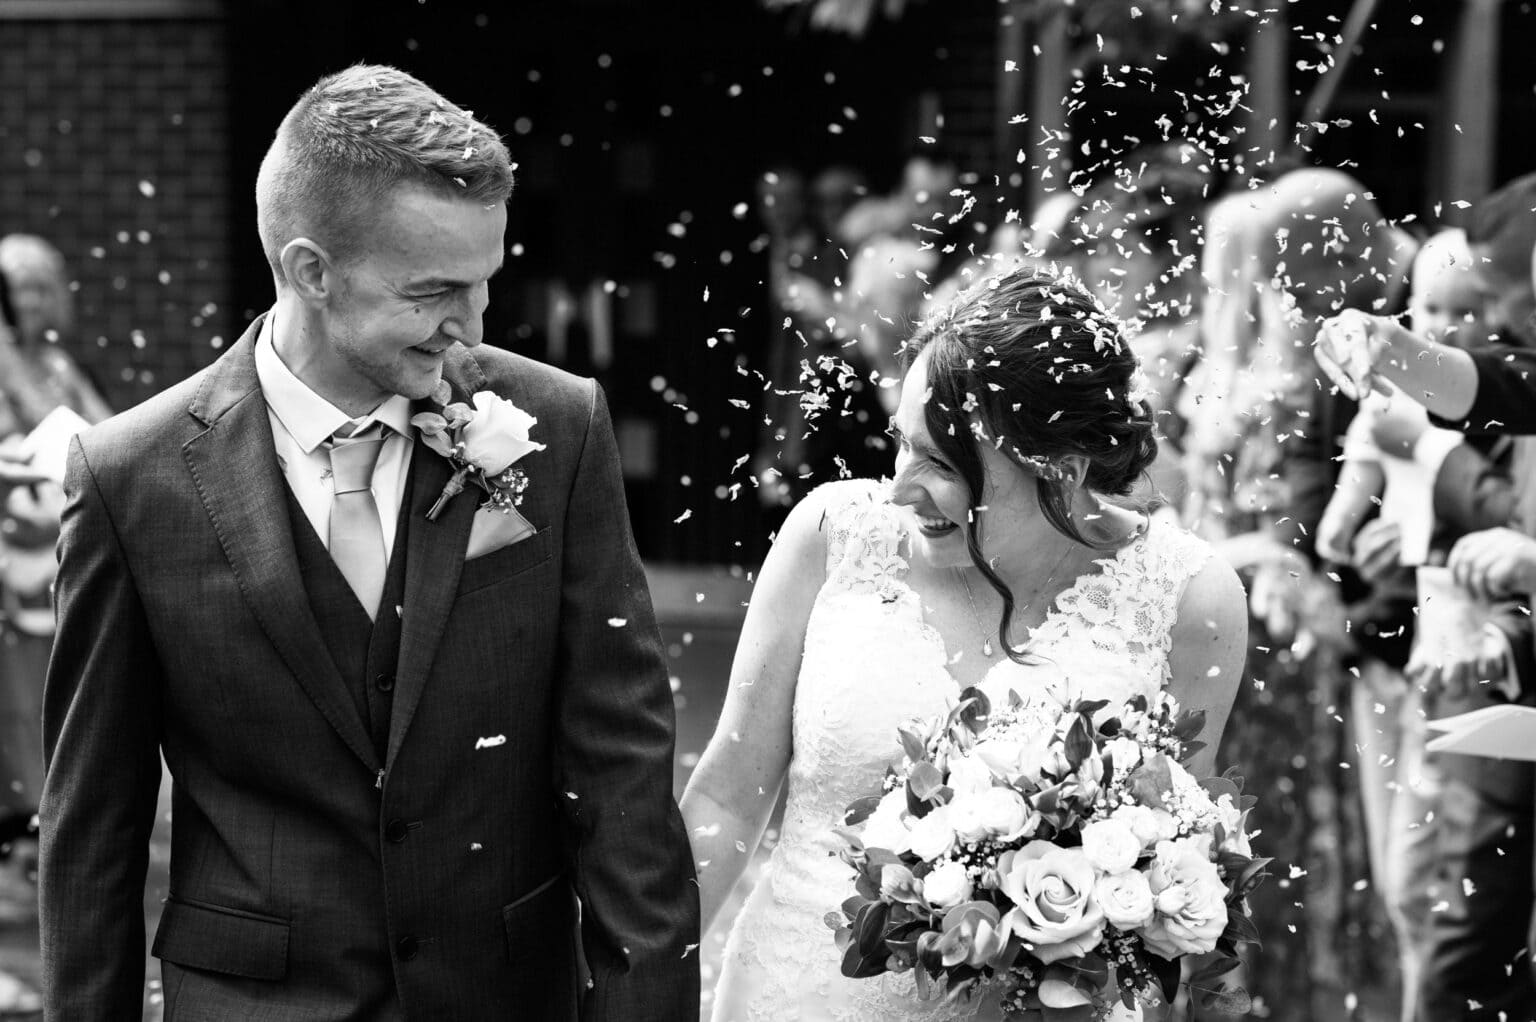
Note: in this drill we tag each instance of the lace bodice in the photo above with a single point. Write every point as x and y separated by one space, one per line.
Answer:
871 663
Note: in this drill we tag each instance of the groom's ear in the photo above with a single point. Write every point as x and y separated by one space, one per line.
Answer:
307 269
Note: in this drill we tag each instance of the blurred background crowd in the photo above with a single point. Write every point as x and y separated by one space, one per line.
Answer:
732 216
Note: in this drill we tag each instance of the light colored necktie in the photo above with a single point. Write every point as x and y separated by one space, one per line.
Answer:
356 535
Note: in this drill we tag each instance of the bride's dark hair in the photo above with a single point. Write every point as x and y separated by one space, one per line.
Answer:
1029 363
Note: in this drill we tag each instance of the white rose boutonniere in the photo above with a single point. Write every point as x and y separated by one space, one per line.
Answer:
483 443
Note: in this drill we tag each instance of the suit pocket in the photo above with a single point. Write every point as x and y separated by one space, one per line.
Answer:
500 565
197 935
546 971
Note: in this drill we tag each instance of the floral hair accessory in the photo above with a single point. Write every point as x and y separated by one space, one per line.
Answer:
482 443
1039 464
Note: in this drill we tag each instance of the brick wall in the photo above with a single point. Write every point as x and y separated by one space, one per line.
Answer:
113 145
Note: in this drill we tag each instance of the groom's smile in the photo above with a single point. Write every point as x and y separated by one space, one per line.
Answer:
417 288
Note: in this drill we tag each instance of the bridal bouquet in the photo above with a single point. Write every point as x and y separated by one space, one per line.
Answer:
1059 852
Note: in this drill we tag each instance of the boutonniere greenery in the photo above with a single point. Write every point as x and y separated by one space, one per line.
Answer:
482 443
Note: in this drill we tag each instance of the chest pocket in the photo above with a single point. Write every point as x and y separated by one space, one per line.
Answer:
506 563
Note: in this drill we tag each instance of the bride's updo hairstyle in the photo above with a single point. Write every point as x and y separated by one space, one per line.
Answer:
1029 363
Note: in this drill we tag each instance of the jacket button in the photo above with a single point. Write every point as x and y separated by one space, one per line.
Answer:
396 830
406 948
384 682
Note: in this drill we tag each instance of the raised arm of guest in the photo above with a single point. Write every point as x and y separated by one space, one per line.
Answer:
1481 390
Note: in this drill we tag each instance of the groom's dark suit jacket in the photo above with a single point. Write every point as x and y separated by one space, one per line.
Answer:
324 866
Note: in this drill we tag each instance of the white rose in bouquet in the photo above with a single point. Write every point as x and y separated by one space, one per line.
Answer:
1005 814
1189 898
1018 757
947 885
1111 845
968 776
886 827
933 836
1126 899
965 816
1055 913
1149 825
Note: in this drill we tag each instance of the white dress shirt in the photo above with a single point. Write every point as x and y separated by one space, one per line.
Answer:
301 423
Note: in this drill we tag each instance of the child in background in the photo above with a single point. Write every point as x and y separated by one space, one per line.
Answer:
1444 305
1379 522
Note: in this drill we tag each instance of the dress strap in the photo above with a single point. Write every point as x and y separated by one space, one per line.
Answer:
1171 557
864 536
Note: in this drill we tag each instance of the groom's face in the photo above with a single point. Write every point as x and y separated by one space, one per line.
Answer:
417 288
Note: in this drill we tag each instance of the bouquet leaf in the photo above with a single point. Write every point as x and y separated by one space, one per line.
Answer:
869 927
1219 786
1150 781
1253 874
925 780
860 810
1167 974
974 710
1240 929
1189 725
857 965
1089 969
1233 1002
912 745
1212 971
1078 743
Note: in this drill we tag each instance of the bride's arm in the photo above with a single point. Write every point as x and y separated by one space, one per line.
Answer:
1210 641
736 783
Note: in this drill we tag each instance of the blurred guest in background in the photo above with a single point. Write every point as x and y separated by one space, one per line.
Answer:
898 255
842 327
1260 446
36 376
1378 523
790 244
822 417
1137 241
1479 937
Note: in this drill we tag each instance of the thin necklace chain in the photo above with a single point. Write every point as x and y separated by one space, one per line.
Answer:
986 636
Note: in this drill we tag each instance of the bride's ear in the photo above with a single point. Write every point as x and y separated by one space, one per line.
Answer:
1074 470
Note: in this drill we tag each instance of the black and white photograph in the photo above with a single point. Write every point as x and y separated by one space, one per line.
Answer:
767 510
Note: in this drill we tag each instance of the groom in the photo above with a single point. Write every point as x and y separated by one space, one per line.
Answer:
408 752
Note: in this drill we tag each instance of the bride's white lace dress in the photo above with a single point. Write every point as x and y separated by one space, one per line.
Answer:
871 663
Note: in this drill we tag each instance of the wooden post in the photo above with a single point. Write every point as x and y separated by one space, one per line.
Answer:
1012 52
1269 123
1466 153
1048 145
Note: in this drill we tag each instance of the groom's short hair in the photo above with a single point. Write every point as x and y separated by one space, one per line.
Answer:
354 136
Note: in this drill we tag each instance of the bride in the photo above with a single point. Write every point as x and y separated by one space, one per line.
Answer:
994 560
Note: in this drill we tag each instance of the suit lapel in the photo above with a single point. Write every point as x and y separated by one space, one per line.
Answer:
234 465
434 559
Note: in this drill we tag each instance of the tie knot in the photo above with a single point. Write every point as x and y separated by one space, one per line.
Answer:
353 457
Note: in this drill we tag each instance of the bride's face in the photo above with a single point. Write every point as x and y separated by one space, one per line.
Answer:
937 496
